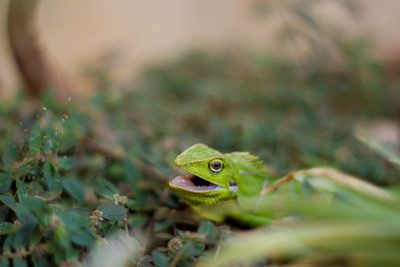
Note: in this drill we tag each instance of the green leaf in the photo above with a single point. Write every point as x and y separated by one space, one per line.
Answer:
209 230
58 255
61 236
138 220
50 144
51 180
113 212
40 261
4 262
35 205
35 140
116 169
5 182
9 201
8 242
385 151
75 189
23 213
74 219
106 188
72 254
23 236
9 155
194 249
162 225
7 228
134 177
65 163
36 236
19 262
82 238
132 173
4 213
160 259
21 189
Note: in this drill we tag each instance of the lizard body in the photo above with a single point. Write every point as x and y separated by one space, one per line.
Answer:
221 186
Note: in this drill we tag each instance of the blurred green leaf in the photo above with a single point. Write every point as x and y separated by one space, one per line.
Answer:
74 188
383 150
4 213
35 205
160 259
113 212
65 163
61 236
35 139
9 155
8 243
74 219
8 228
50 178
83 238
40 261
209 230
51 143
24 214
22 190
106 188
5 182
138 220
24 234
194 249
131 172
4 262
19 262
9 201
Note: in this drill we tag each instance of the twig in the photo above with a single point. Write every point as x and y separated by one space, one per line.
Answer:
277 184
332 174
346 180
34 64
40 249
273 187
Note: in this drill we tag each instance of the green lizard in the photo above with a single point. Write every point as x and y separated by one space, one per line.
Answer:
222 179
219 186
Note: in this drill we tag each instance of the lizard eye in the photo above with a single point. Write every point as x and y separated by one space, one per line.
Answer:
216 166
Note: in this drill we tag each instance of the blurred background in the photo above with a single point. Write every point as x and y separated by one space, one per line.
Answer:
133 35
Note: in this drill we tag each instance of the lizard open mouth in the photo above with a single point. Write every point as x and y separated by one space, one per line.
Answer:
193 183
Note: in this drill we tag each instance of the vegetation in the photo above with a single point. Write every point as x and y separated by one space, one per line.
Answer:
74 176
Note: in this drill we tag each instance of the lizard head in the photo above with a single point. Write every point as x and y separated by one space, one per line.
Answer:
210 178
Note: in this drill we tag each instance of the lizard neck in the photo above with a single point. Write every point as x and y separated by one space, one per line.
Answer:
250 173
